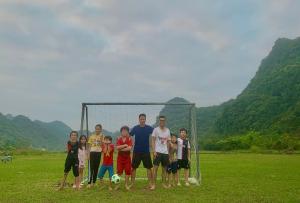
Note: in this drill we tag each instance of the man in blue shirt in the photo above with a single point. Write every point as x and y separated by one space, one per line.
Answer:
141 150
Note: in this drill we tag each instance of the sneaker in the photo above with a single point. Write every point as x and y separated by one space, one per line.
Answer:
110 188
187 184
152 187
74 186
179 184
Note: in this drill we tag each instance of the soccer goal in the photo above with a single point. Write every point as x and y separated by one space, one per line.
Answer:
113 115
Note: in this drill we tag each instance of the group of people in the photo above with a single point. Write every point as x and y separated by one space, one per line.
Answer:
169 151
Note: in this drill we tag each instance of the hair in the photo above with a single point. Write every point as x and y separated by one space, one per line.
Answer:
98 125
173 135
183 129
161 116
108 137
142 115
124 128
73 131
81 145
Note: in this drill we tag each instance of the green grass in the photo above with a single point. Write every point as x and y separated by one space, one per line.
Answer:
225 178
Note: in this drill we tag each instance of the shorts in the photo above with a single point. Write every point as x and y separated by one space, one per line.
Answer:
145 157
183 163
162 159
124 165
72 162
103 170
172 167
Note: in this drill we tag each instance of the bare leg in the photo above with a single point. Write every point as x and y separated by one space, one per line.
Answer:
127 182
133 174
163 176
175 179
62 185
169 179
80 175
77 182
186 177
155 168
110 185
178 177
150 175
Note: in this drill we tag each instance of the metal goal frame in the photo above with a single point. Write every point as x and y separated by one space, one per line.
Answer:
192 122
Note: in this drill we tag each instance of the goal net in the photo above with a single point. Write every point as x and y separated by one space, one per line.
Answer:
114 115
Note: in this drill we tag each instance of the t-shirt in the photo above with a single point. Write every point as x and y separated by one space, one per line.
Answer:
183 147
108 154
95 142
162 137
73 148
141 134
121 141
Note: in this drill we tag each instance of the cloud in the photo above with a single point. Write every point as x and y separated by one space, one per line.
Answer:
56 54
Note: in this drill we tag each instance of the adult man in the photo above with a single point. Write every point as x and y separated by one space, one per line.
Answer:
160 142
141 150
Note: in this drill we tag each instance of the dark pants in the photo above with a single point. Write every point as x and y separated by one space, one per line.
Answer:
95 158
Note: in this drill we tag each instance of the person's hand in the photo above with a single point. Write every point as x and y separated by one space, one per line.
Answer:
154 154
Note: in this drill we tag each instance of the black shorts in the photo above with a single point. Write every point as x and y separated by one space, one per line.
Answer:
72 162
141 156
161 158
183 163
172 167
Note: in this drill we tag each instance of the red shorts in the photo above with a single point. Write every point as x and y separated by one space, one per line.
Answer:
124 164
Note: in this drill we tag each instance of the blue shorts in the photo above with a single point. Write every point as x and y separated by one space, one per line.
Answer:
103 169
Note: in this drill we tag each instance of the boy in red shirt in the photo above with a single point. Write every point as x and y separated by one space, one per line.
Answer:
124 145
107 165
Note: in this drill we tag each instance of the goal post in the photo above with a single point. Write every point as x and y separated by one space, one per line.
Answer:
195 172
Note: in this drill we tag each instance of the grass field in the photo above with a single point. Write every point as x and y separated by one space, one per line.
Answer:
225 178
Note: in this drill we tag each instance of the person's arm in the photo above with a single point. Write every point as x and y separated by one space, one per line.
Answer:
128 147
189 151
153 142
169 142
119 146
67 147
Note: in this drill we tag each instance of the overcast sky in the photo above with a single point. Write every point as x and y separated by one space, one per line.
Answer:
56 54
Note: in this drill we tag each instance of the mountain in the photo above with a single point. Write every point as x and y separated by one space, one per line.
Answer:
177 115
266 113
274 91
21 132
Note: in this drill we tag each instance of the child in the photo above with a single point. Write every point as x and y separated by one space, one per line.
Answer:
95 149
124 145
82 156
173 166
107 165
183 155
71 160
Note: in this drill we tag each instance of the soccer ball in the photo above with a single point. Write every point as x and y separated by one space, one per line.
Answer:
115 179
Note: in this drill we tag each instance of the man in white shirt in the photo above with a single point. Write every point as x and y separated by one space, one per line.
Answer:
160 145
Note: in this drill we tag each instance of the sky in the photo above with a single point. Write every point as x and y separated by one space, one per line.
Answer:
56 54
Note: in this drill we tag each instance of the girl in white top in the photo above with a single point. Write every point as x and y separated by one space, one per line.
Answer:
82 156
